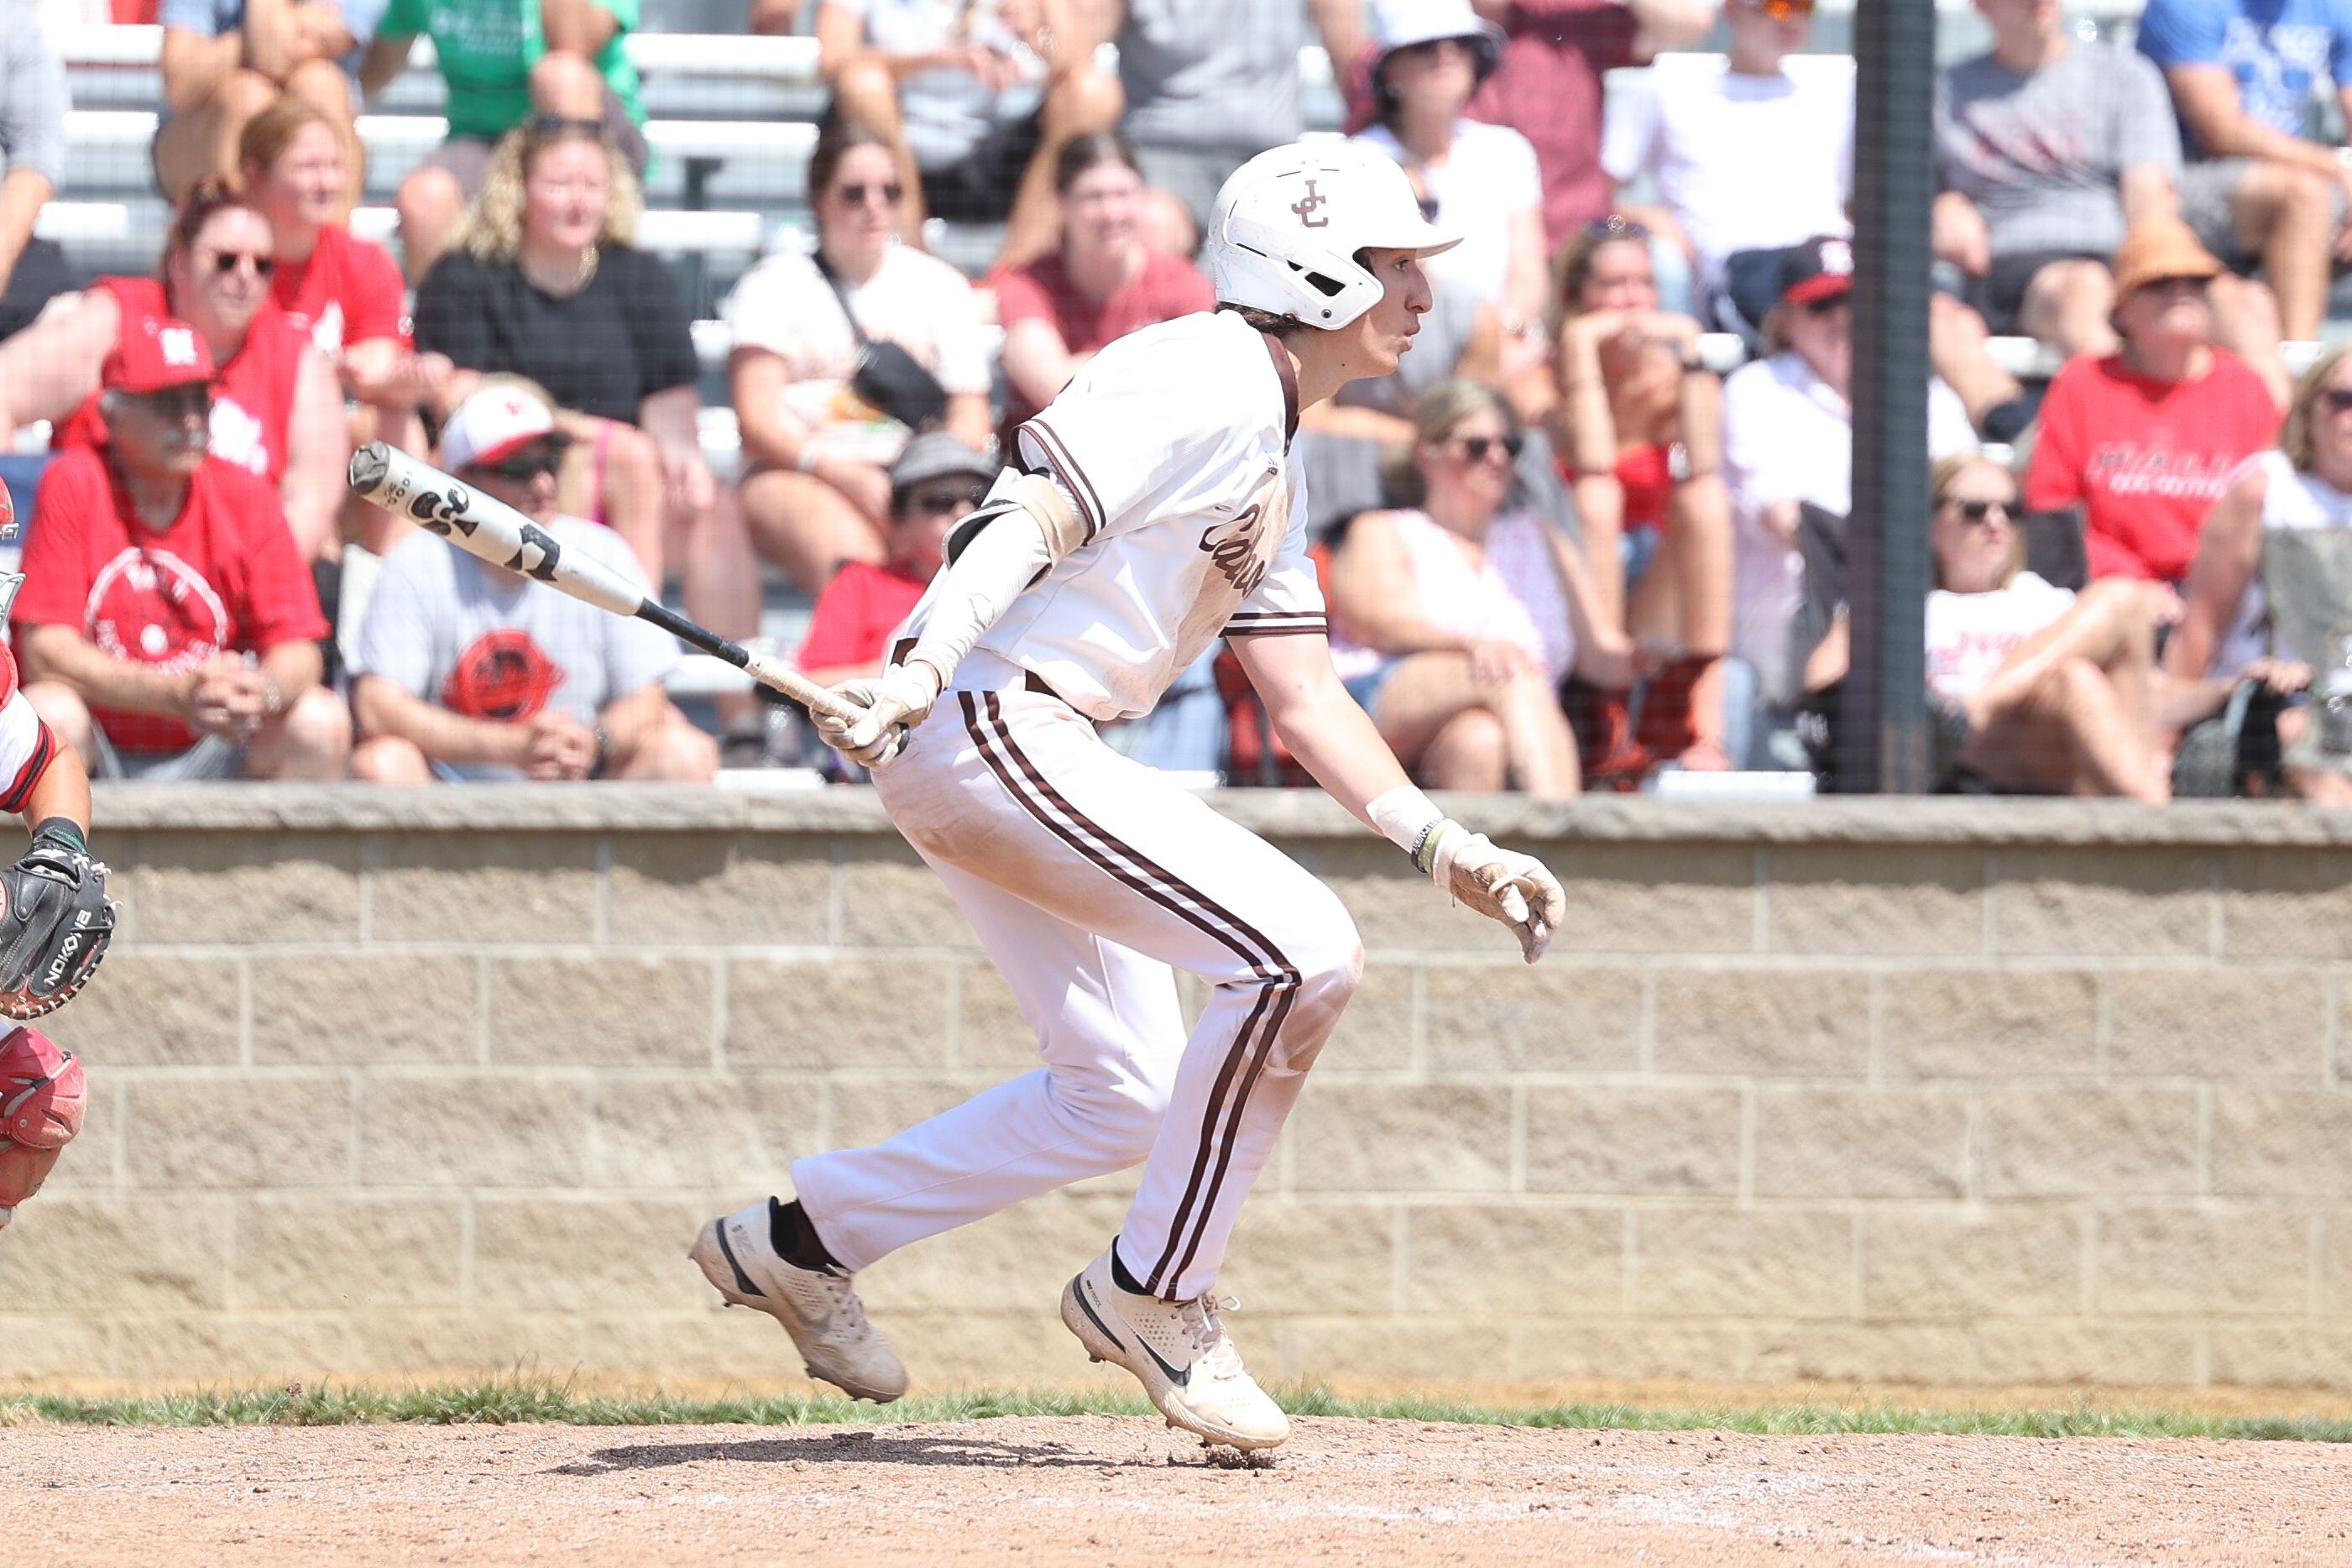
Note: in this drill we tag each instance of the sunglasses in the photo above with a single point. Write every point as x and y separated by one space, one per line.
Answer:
941 503
524 466
1981 511
1478 449
1616 225
855 195
173 405
2338 400
225 262
551 124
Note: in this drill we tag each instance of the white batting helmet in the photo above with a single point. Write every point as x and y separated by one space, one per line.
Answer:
1287 225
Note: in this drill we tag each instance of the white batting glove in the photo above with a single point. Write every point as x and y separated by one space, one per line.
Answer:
894 704
1501 884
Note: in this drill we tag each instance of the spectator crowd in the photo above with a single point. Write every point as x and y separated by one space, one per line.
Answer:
1573 544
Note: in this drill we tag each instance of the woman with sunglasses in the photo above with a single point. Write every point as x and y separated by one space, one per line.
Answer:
544 282
2227 634
1479 180
1457 615
1638 421
277 410
2041 689
817 456
2143 440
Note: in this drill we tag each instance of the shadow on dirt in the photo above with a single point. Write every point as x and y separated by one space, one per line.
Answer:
861 1446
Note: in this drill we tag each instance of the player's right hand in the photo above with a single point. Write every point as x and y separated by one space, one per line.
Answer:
892 705
1502 884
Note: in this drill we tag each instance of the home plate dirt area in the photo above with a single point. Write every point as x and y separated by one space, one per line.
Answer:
1120 1490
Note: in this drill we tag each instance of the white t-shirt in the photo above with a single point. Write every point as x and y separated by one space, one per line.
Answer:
918 301
1788 435
1971 636
948 111
2290 500
1173 445
1744 163
493 645
1488 174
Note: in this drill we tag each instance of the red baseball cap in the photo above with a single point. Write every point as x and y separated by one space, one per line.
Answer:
157 353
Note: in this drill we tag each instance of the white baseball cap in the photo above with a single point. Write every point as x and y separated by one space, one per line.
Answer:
493 425
1403 24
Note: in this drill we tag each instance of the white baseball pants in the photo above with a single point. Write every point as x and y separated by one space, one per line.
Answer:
1090 880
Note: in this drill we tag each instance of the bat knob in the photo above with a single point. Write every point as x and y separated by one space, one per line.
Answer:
369 466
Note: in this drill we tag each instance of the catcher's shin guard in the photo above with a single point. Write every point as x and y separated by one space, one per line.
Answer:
41 1100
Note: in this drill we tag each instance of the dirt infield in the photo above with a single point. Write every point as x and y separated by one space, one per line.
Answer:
1116 1488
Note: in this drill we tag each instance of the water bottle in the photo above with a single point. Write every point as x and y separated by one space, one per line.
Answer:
2335 690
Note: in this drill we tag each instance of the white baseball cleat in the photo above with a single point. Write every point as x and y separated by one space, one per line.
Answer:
1180 1354
821 1310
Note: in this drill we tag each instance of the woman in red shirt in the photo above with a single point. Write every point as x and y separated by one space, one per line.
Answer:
1102 284
1638 422
2144 440
346 292
277 411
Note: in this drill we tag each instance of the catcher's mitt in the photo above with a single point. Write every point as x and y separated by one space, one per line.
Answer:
41 1103
55 923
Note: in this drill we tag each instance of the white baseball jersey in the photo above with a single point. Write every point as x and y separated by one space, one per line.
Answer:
1173 445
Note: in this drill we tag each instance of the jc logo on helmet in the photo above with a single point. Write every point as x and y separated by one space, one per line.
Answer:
1304 207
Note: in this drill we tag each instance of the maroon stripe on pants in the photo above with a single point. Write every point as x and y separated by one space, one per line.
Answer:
1217 1133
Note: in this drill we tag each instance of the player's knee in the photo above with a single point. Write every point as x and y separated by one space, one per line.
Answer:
1085 99
1328 954
322 85
243 94
390 759
565 83
318 725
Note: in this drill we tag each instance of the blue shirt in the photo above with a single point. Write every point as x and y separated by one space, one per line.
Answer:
2279 50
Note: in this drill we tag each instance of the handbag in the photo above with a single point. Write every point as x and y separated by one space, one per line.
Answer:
887 377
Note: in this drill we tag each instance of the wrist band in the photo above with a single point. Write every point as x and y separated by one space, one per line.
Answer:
62 827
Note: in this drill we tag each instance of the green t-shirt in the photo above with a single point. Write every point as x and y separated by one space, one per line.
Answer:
487 50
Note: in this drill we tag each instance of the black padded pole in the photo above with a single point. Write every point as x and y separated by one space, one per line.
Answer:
1883 733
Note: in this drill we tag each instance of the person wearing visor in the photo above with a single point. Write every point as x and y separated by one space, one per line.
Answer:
468 671
1155 506
167 626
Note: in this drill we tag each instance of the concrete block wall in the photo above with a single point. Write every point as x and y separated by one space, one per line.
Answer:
1937 1091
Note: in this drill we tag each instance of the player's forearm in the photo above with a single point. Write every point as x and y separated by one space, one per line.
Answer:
972 594
381 708
102 680
62 790
1323 727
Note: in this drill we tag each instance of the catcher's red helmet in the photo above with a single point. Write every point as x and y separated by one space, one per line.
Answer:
42 1097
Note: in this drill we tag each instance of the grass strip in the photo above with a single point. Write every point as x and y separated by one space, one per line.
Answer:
525 1398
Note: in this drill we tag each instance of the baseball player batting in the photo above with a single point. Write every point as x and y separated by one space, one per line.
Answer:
1158 507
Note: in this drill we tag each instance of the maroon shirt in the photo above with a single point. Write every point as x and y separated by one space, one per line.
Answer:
1167 288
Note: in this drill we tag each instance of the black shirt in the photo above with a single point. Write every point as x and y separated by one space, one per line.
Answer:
602 351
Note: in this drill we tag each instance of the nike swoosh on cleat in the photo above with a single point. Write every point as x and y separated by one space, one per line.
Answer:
1095 1318
742 1280
1179 1378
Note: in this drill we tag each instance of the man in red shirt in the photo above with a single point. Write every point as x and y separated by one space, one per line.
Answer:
167 625
936 481
2144 440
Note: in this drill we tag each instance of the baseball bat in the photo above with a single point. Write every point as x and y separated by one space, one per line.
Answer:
480 525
